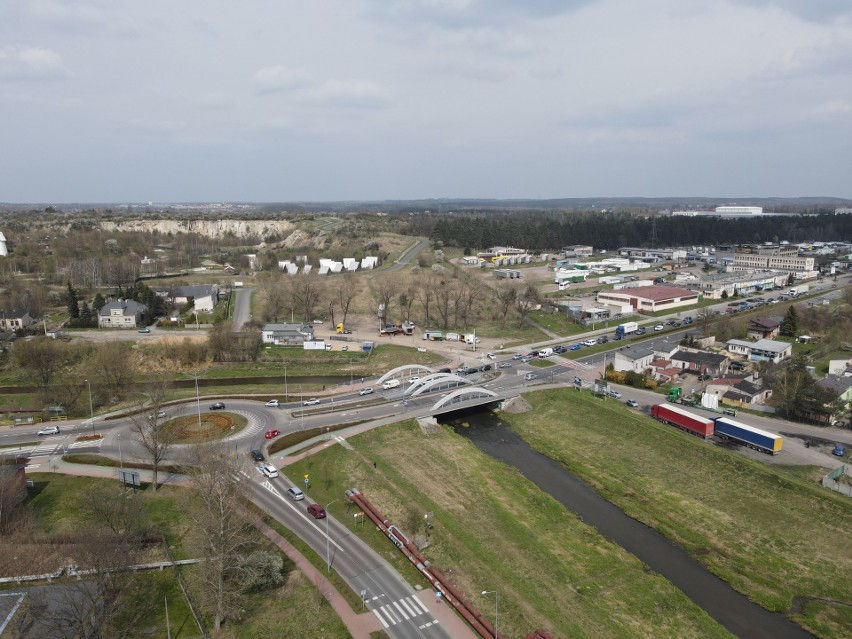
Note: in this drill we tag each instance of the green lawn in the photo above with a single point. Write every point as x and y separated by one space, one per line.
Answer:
771 533
492 527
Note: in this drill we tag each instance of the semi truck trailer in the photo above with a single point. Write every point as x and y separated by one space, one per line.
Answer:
683 419
625 329
727 428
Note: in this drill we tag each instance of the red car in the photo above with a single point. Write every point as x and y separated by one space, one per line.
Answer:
317 511
272 433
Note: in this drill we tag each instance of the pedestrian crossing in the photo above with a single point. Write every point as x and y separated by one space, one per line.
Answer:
47 446
407 608
54 446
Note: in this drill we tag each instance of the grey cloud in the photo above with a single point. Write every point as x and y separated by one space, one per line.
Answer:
469 13
812 10
29 63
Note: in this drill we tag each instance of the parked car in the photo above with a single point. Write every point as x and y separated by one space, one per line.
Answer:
603 339
526 359
589 342
217 406
345 347
316 511
614 394
640 331
269 470
257 456
144 329
632 403
272 432
687 320
560 349
48 430
487 367
317 321
295 494
530 376
366 391
272 403
517 356
160 414
313 401
659 327
504 365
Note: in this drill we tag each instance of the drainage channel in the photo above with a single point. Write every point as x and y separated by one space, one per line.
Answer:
731 609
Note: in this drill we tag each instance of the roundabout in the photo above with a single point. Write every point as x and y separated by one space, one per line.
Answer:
192 429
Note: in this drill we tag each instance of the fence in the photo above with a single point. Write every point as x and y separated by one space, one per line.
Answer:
192 607
831 481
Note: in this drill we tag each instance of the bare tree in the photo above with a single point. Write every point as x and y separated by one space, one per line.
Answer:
41 358
225 535
506 296
149 429
384 288
347 291
305 291
12 494
526 300
113 367
425 293
275 296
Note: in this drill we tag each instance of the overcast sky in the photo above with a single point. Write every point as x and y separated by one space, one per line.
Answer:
274 100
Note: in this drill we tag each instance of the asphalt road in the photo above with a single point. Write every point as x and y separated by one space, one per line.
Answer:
242 308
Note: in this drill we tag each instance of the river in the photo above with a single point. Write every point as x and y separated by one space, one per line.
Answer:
731 609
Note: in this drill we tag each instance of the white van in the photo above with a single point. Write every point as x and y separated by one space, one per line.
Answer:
391 383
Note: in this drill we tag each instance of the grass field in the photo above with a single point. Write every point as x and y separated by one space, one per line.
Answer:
492 528
773 534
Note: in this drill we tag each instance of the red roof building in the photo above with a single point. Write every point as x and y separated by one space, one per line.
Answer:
651 298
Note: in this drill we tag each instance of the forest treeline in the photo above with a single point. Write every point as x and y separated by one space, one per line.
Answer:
539 231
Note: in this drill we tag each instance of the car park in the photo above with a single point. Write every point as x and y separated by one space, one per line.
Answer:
632 403
49 430
272 403
659 327
269 470
504 365
256 455
217 406
366 391
313 401
316 511
295 494
272 432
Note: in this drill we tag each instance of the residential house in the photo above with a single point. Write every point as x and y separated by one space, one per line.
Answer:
287 334
739 391
700 362
840 367
764 327
121 314
204 296
11 321
840 389
633 358
763 350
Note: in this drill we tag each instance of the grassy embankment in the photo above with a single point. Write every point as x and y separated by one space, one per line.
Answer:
55 511
772 534
492 528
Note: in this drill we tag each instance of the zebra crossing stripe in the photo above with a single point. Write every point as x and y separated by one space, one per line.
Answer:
408 608
379 617
401 611
418 605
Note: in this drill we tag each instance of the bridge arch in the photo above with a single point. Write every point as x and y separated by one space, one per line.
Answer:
463 394
404 371
435 381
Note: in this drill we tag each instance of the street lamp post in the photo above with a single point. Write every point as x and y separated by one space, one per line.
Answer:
91 409
120 456
286 393
327 548
198 401
496 608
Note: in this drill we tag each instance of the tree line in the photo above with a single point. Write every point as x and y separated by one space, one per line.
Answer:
540 231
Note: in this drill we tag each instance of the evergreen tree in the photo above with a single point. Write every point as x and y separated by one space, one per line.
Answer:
85 315
790 323
98 302
73 308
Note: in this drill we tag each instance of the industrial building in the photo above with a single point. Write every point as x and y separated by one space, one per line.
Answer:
648 299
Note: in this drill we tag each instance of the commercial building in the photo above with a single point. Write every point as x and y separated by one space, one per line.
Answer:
763 350
649 299
775 258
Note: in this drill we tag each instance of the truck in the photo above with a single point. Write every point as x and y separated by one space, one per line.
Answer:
674 394
627 328
683 419
390 330
764 441
314 345
799 289
391 383
471 338
545 352
341 329
433 336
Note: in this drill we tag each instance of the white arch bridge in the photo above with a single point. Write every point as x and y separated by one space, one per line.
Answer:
467 397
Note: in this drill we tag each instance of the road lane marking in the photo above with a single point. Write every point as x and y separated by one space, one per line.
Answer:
401 611
379 617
